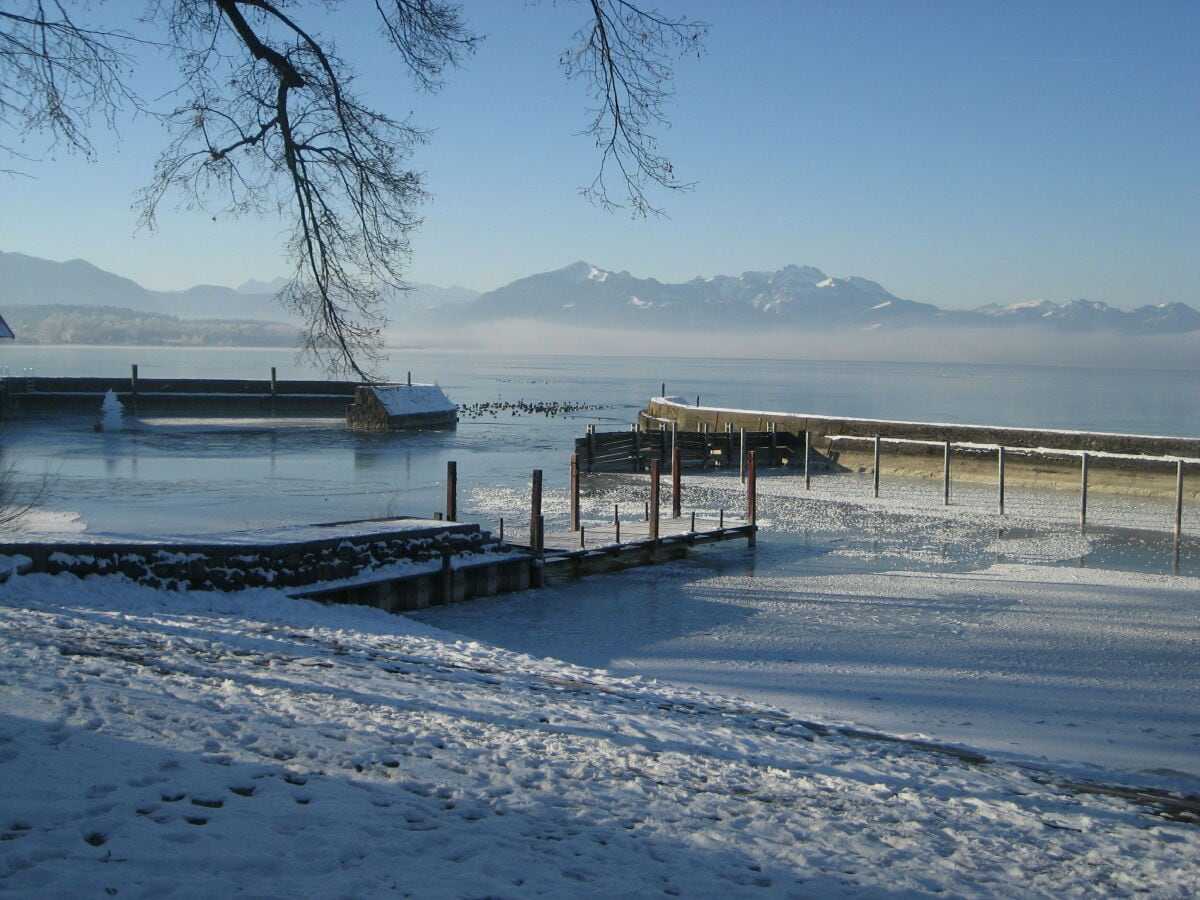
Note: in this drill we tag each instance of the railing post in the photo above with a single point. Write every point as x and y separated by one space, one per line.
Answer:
1000 478
875 475
742 456
946 475
1178 500
752 498
1083 486
575 492
451 491
654 499
676 484
807 454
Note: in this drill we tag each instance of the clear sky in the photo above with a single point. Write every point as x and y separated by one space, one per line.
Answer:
957 152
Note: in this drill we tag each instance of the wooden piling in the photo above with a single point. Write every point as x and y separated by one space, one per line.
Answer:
274 385
875 474
1083 486
591 442
452 491
946 475
535 509
575 492
752 497
742 456
807 454
654 499
617 522
1000 478
133 379
676 484
1178 501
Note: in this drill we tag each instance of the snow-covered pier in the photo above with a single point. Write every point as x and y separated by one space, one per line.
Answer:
1130 464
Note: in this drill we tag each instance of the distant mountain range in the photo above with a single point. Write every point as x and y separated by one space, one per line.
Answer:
794 296
30 281
799 297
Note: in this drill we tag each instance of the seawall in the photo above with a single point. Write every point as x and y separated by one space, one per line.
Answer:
1139 465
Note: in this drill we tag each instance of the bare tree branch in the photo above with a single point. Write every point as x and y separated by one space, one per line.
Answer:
625 54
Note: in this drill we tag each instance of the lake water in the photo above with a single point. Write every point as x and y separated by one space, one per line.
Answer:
161 476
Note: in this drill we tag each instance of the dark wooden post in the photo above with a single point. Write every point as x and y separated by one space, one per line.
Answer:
774 460
676 484
574 491
637 450
274 386
1000 474
535 511
875 475
451 491
1083 480
807 454
591 445
617 521
654 499
752 497
133 379
1178 500
410 378
946 475
742 455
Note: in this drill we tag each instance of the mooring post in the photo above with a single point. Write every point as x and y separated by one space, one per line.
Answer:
452 491
1000 474
693 529
582 539
655 469
617 521
676 484
274 386
1178 500
721 518
664 390
742 456
574 491
410 378
807 454
591 445
502 529
1083 479
752 498
535 510
946 475
133 379
875 475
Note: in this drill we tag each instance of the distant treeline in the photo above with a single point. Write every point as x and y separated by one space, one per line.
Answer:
114 325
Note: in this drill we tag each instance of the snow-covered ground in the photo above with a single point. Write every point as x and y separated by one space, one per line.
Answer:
208 744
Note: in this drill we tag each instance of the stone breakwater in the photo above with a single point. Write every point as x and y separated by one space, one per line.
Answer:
1137 465
293 557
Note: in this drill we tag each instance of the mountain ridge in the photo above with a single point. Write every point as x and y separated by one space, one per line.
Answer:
794 296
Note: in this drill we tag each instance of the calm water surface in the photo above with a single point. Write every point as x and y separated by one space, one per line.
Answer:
206 475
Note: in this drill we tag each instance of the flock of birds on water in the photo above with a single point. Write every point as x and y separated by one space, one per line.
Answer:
548 408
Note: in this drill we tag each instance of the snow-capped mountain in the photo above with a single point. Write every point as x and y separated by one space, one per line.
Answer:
794 296
582 293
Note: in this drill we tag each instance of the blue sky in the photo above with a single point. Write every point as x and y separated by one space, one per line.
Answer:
957 152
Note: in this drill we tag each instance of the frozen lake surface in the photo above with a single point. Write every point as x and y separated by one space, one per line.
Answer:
1019 636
